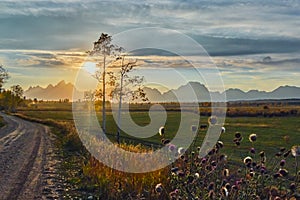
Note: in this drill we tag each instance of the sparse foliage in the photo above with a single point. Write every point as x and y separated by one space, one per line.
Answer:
3 76
17 90
103 48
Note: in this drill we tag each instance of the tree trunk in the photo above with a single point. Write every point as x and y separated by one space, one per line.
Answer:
103 98
120 107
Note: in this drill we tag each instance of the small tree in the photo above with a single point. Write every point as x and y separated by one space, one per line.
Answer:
103 48
3 76
17 90
122 87
16 97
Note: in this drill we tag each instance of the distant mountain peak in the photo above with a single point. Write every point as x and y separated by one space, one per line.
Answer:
61 90
61 83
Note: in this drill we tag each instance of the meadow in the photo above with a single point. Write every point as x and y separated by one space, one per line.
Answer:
276 126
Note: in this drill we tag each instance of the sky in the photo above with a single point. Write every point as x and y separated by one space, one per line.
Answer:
254 44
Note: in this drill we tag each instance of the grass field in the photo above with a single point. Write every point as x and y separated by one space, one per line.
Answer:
272 133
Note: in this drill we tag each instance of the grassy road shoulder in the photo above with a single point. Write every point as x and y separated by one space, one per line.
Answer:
2 123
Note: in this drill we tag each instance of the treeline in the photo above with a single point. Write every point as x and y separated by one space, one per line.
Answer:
12 98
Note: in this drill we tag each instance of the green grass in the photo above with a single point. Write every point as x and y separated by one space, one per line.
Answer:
270 131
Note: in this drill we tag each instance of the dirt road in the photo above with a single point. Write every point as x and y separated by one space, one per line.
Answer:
28 161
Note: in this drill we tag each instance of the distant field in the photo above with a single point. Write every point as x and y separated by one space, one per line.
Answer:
273 133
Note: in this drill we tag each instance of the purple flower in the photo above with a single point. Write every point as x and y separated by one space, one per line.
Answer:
282 163
252 150
252 137
159 188
194 128
172 147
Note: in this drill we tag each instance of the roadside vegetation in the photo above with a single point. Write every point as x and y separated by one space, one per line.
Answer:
2 123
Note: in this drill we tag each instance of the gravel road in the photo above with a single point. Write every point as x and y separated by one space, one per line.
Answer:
28 161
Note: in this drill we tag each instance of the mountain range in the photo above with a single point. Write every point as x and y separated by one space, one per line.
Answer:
61 90
183 93
201 93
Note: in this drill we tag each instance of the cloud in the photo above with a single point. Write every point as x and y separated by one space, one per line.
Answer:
40 59
238 34
74 24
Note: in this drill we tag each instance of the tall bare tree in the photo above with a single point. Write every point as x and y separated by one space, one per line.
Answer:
103 48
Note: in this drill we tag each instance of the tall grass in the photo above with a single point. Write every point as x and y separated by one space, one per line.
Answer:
2 123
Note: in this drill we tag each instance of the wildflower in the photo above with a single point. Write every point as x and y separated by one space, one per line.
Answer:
212 120
211 194
276 175
223 129
194 128
278 154
158 188
293 186
262 154
208 168
226 172
286 154
172 195
174 169
161 131
295 151
252 174
227 186
238 135
213 163
166 141
274 191
180 173
181 150
223 157
224 191
282 163
211 186
172 147
220 144
190 179
203 161
264 159
211 152
282 149
252 137
248 159
197 175
263 170
252 150
283 172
